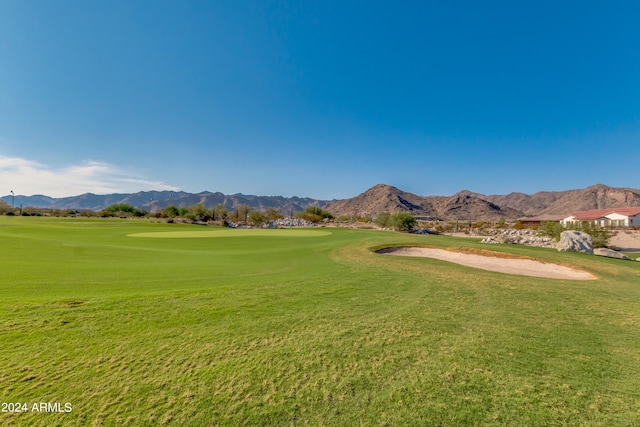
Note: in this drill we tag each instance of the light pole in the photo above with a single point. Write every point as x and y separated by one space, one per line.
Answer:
12 198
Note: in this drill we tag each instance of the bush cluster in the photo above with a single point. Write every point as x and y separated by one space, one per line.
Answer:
122 210
314 214
401 221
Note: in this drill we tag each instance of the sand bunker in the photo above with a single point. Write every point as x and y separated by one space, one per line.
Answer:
523 267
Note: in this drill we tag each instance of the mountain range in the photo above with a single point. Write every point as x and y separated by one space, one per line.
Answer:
464 205
153 201
385 198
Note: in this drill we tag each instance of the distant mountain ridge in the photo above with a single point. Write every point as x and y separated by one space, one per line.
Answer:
464 205
157 200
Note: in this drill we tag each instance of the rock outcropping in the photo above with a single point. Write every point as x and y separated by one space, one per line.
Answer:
575 241
610 253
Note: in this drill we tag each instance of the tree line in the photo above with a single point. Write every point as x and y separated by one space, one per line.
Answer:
243 213
200 213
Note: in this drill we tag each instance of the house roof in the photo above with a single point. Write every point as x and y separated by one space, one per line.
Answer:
599 213
627 211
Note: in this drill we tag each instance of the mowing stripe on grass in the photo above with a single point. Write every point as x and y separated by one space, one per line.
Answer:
231 232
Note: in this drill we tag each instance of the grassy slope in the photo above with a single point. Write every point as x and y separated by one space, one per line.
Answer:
305 330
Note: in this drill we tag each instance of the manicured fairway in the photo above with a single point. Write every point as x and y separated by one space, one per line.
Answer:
303 327
230 232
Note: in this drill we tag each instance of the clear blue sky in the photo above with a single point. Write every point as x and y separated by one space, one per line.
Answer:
318 98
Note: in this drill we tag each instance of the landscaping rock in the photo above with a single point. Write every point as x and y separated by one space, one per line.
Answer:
609 253
575 241
518 237
278 223
424 231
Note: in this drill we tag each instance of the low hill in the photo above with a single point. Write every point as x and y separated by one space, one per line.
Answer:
382 198
386 198
597 196
466 206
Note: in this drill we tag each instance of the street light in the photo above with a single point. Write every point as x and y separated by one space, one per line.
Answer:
12 197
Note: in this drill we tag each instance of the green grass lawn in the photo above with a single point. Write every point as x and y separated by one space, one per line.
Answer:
304 327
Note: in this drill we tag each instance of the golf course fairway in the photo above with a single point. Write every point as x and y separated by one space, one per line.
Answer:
112 322
230 232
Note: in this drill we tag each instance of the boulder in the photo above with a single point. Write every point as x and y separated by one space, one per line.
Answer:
575 241
610 253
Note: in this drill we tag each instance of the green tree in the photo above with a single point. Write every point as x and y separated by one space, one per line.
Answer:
403 221
122 210
242 212
4 207
198 212
273 214
170 211
219 212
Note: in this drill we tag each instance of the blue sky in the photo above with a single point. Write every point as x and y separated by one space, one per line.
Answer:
318 98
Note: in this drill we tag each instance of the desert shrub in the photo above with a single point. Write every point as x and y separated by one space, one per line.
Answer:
86 213
403 221
257 217
551 229
315 214
383 219
122 210
479 224
600 235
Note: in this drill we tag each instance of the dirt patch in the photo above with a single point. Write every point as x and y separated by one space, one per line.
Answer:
502 264
626 240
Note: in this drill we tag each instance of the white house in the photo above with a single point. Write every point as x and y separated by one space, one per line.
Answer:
613 217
